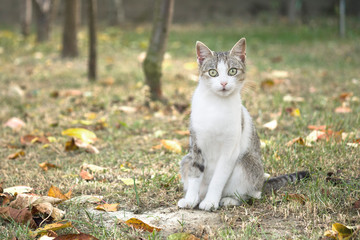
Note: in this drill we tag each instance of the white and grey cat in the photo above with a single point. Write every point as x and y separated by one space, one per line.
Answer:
223 166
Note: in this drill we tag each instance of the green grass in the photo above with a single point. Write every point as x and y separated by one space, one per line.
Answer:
321 66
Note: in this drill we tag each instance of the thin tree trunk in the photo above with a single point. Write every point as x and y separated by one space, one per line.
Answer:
292 14
152 65
42 8
69 43
92 64
26 16
342 18
118 13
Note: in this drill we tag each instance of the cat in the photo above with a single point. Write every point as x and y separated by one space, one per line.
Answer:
223 166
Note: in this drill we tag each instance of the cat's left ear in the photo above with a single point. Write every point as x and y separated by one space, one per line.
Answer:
239 50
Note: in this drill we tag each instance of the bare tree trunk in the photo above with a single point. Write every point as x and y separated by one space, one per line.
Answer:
42 8
342 18
292 11
92 64
26 15
118 13
69 43
153 62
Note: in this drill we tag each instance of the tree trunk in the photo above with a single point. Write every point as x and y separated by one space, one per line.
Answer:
117 12
42 9
26 15
69 41
342 18
292 13
153 62
92 65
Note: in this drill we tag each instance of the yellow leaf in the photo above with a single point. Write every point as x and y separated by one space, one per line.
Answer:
182 236
298 140
295 112
56 193
53 227
343 231
171 145
16 155
129 181
138 224
90 115
86 122
82 134
113 207
45 166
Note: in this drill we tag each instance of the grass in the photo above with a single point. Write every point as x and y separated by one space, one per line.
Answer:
321 66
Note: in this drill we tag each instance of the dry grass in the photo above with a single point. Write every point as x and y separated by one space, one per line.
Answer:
320 65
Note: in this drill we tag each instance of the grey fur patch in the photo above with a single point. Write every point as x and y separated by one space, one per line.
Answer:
276 183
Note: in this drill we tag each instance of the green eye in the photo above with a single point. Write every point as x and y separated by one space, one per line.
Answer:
213 73
232 71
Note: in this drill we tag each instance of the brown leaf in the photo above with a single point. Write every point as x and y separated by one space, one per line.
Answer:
45 166
23 216
86 175
30 139
56 193
16 155
138 224
112 207
357 204
70 145
5 198
345 96
15 123
296 197
80 236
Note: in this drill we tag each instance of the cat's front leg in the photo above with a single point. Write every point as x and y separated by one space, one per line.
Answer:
191 198
224 169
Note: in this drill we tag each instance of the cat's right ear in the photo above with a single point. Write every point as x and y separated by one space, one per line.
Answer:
202 52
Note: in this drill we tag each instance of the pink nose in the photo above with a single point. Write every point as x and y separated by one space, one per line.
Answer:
223 84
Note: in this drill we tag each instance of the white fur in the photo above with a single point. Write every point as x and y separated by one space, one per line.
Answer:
216 119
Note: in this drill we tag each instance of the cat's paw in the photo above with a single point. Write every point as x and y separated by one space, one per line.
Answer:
184 203
209 205
229 201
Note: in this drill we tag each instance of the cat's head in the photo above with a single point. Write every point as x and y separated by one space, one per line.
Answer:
222 72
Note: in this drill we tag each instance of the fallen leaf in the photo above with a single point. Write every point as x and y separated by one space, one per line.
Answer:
47 208
127 109
138 224
319 128
183 133
109 81
15 123
86 175
295 112
87 146
93 168
342 230
113 207
171 145
357 204
296 197
314 136
80 236
23 216
345 96
86 136
129 181
30 139
16 155
71 93
24 200
182 236
5 198
45 166
18 189
50 227
279 74
343 109
56 193
271 125
267 83
289 98
70 145
298 140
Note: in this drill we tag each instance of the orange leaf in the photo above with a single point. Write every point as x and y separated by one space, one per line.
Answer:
56 193
345 95
170 145
113 207
45 166
319 128
16 155
86 175
138 224
29 139
183 133
343 110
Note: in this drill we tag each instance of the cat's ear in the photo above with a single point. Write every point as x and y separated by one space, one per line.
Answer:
202 52
239 50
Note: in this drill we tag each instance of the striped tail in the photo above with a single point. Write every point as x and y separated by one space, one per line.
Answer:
275 183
